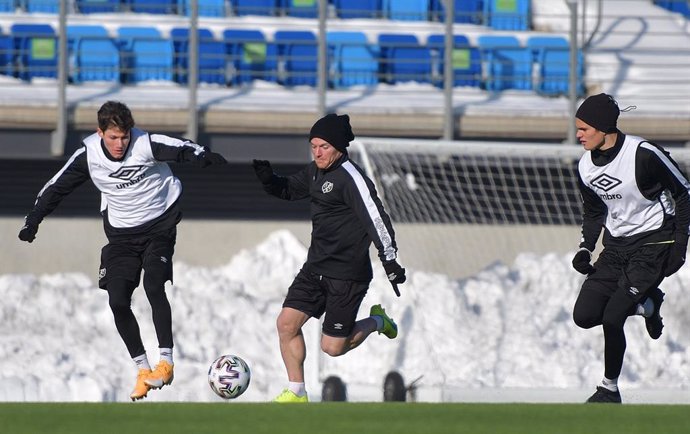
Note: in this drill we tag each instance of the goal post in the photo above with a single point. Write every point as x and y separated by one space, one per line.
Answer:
459 207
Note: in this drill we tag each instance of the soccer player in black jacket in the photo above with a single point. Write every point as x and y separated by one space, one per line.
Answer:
139 203
634 189
347 216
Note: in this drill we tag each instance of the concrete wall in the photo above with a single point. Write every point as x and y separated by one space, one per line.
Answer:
74 245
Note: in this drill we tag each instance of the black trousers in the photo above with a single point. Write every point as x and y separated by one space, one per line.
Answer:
608 296
121 265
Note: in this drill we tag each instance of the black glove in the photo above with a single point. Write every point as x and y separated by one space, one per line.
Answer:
582 261
676 256
28 231
211 158
395 273
263 170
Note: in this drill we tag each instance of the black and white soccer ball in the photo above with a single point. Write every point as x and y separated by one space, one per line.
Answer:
229 376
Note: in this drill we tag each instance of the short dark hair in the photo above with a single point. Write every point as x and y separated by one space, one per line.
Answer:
115 114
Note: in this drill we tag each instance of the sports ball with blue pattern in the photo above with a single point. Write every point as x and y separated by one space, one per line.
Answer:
229 376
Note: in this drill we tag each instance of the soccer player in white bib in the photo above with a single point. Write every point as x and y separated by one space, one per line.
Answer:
634 190
139 204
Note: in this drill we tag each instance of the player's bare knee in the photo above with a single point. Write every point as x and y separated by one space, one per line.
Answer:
334 348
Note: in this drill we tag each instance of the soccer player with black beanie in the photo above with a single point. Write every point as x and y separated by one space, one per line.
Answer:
139 204
347 217
636 192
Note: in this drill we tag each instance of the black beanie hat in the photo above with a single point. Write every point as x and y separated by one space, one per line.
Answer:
334 129
599 111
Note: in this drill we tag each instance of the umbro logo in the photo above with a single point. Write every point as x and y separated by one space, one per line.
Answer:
338 326
633 290
606 182
126 172
101 273
327 187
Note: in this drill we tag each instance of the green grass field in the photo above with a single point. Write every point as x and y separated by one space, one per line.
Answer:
340 418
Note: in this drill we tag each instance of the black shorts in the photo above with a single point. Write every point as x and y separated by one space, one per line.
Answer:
124 259
314 294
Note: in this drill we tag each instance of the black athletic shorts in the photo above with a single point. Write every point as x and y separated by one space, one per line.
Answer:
314 294
124 259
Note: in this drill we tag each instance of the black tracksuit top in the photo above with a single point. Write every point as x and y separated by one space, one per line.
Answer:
347 216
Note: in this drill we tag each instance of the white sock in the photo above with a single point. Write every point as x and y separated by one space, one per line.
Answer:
645 309
379 322
297 388
142 362
611 385
166 354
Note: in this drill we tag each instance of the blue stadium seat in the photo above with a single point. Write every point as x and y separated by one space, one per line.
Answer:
466 60
74 34
255 7
358 8
205 8
7 6
211 61
297 56
6 55
42 6
538 43
300 8
36 49
406 10
552 56
152 60
126 35
508 14
466 11
680 6
508 65
153 6
353 61
97 59
97 6
146 55
404 59
247 51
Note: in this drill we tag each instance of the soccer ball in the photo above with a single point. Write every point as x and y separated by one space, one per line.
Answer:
229 376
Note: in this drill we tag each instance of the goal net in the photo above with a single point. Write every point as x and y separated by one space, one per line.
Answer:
459 207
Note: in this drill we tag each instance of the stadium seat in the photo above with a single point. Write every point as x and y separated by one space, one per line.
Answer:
74 34
7 6
466 60
406 10
205 8
552 57
42 6
97 6
146 55
508 14
300 8
680 6
152 6
255 7
36 49
404 59
6 55
211 60
297 57
466 11
358 8
508 65
353 61
247 51
97 59
126 35
537 44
